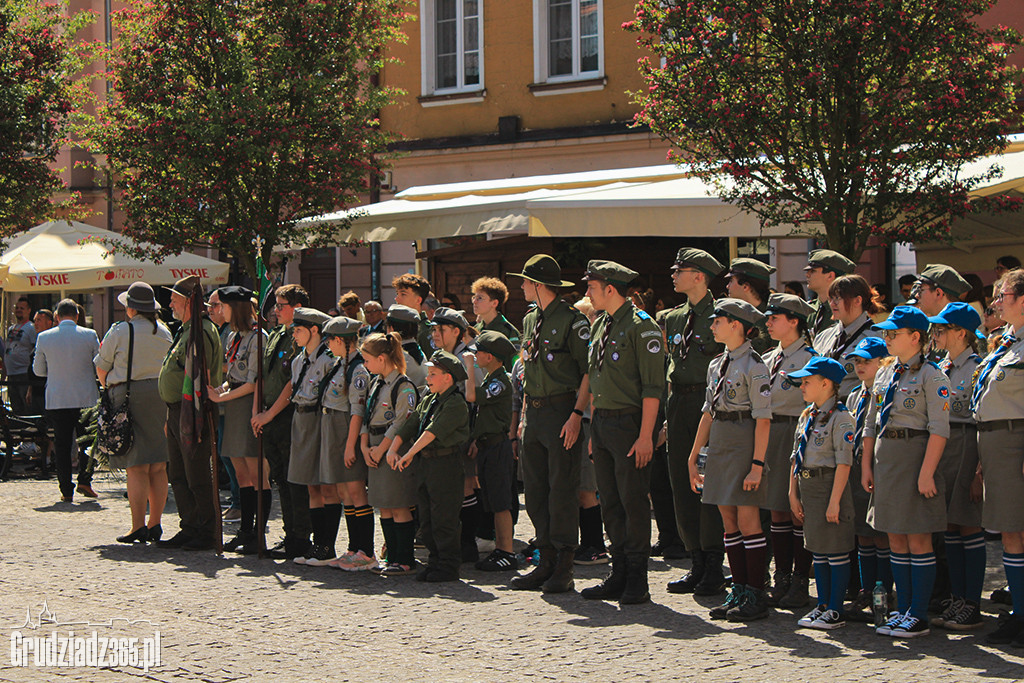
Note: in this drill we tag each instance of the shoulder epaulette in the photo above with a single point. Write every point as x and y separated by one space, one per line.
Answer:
642 314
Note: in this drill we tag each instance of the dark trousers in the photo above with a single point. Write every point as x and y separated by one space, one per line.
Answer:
551 476
624 489
662 500
17 388
439 484
64 421
277 447
190 474
700 525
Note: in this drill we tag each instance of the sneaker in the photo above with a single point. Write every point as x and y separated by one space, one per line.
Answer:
498 561
1001 596
783 582
910 627
753 606
322 556
950 606
395 569
232 515
894 619
336 562
591 556
1010 627
967 618
829 620
734 598
809 618
485 545
861 603
359 562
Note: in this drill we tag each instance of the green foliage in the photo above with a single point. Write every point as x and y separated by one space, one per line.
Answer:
854 117
38 60
235 119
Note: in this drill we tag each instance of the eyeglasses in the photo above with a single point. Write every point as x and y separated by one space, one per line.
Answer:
1002 295
279 305
892 334
676 271
990 311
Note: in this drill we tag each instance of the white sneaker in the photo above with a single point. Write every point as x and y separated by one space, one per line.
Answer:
808 619
828 621
894 619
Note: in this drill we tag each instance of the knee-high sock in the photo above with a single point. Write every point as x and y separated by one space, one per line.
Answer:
822 578
922 577
363 524
756 549
469 516
1013 564
957 564
316 521
974 565
591 531
387 527
350 526
901 577
801 558
839 566
268 501
403 534
332 520
868 560
737 558
884 566
782 547
247 504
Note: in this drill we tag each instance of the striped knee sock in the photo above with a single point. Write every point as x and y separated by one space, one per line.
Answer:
922 580
974 565
822 578
756 550
782 547
884 567
867 557
957 563
900 563
801 558
737 560
363 520
1013 564
839 567
350 526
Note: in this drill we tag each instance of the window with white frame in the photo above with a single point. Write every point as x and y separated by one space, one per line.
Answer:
568 36
451 32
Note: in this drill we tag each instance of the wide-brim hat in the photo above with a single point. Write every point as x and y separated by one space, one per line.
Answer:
139 296
184 287
543 269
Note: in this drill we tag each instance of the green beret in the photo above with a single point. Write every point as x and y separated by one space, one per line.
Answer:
448 363
494 343
945 277
830 260
737 309
751 268
341 326
609 271
699 259
789 303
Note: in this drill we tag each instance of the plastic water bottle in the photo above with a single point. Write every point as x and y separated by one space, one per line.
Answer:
702 461
880 604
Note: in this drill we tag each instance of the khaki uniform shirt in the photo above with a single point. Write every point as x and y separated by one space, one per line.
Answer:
786 397
827 344
830 442
960 372
745 384
242 357
172 372
306 385
633 367
921 400
341 394
147 356
381 412
1002 396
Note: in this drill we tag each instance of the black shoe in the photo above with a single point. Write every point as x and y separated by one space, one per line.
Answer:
1001 596
421 575
783 582
279 551
238 541
176 541
797 595
140 535
692 578
498 561
199 544
154 533
753 606
1010 627
613 585
713 582
735 598
636 591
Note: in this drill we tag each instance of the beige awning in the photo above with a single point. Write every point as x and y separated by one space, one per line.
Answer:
52 257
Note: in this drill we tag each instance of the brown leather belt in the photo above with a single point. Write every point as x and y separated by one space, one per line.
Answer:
810 472
903 433
609 412
1000 425
785 418
540 402
307 409
440 452
680 388
733 416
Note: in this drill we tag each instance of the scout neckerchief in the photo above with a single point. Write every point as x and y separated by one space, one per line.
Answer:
684 348
862 413
890 395
720 385
305 366
843 341
236 343
534 350
801 445
435 403
1009 339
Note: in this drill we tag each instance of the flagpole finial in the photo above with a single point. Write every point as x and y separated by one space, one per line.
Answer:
258 242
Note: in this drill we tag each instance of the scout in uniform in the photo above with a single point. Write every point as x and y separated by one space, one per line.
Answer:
905 431
936 286
342 409
691 346
555 339
235 395
998 405
749 281
823 267
405 321
391 399
412 290
490 294
872 545
189 472
852 307
627 380
308 371
436 432
955 331
489 439
819 490
788 318
734 425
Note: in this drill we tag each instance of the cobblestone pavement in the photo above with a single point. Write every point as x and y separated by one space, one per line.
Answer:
239 618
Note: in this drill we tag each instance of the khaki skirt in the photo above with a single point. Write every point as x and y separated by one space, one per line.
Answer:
149 445
304 461
730 451
861 503
388 488
896 506
1002 457
820 535
778 468
238 440
333 435
959 463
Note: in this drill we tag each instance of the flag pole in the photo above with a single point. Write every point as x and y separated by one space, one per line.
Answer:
262 291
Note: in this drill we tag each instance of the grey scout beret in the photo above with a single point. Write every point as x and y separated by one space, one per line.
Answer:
737 309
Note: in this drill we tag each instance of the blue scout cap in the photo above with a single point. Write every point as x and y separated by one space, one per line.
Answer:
904 318
960 314
868 348
820 365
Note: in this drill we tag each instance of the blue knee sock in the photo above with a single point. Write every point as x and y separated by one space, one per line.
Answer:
868 560
900 563
922 578
1013 563
957 563
839 566
884 565
822 578
974 565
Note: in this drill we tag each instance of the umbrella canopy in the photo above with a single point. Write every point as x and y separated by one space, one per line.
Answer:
51 258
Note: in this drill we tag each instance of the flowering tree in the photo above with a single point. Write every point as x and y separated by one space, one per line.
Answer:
38 58
235 119
854 116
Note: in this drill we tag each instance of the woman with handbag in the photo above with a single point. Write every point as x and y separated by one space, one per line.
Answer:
128 367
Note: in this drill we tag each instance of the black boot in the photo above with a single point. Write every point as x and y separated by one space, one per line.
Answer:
612 586
693 577
713 582
561 580
636 591
541 573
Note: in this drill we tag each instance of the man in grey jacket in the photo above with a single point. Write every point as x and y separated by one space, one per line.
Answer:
64 357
